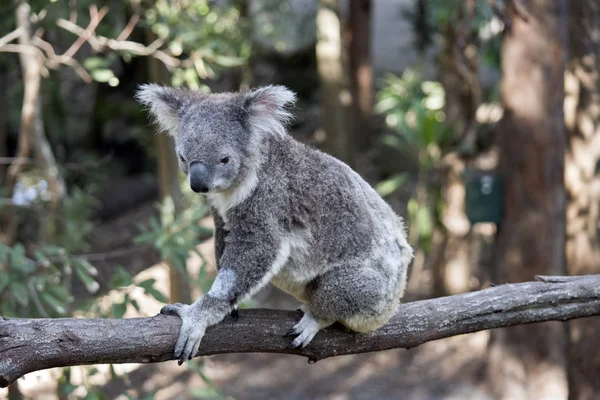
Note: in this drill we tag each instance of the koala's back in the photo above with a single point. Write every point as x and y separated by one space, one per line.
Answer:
332 217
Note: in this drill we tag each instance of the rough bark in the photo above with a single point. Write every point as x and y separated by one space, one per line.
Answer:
529 362
335 93
28 345
582 180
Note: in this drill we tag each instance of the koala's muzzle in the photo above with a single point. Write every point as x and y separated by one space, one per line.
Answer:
199 177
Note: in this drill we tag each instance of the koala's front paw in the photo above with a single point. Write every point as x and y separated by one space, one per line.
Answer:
191 332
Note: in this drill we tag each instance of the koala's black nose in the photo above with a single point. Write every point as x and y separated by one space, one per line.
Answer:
198 175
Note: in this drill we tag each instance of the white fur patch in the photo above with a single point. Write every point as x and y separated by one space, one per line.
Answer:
224 201
300 269
165 116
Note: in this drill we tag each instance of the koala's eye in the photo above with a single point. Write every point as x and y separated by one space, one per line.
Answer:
224 160
181 158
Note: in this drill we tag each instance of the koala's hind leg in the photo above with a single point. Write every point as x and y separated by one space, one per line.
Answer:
361 298
307 328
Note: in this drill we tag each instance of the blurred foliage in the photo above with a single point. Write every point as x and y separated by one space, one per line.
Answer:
414 112
213 36
37 274
283 26
39 286
210 391
175 236
431 17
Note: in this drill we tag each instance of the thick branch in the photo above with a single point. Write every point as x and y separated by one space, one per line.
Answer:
28 345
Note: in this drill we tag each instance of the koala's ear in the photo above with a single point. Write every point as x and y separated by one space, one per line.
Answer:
164 104
268 106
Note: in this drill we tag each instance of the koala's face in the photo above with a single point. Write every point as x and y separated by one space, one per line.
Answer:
216 135
212 145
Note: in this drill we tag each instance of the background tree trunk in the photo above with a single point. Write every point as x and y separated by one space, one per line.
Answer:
530 362
32 136
361 76
168 185
335 93
582 116
459 73
3 128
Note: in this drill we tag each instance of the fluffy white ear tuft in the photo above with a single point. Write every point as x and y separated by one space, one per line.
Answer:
164 104
267 108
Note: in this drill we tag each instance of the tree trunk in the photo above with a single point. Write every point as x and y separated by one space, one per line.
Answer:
32 135
361 74
3 132
168 186
582 180
530 362
459 73
335 94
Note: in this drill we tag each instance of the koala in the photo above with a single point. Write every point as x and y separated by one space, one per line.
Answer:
284 213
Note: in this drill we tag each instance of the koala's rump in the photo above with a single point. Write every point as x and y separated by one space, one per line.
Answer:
340 221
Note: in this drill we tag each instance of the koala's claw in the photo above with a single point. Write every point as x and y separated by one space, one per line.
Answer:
235 314
173 309
291 332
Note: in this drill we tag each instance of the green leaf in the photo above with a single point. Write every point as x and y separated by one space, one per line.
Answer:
60 292
18 261
121 278
102 75
144 238
229 61
57 305
148 286
156 294
203 393
53 250
83 273
390 185
4 252
68 387
92 63
148 283
19 291
119 309
4 280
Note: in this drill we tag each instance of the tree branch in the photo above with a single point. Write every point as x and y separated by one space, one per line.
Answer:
28 345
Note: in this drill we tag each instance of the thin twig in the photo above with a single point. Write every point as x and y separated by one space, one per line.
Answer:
95 18
9 37
129 28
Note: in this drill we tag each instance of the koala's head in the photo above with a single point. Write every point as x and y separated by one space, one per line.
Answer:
218 136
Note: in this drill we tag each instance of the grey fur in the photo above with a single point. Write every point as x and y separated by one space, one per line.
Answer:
284 213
